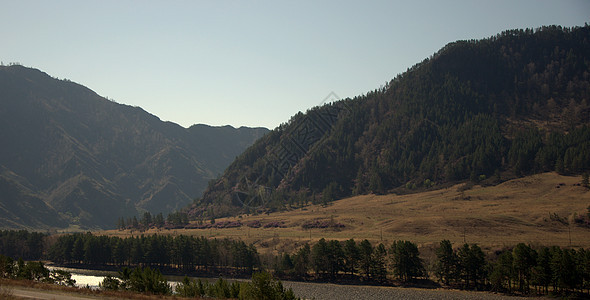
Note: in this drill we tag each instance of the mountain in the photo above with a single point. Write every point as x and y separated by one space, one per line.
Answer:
70 156
482 110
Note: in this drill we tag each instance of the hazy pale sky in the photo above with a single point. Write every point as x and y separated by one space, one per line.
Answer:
249 63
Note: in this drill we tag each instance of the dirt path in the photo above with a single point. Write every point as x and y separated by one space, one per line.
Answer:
38 294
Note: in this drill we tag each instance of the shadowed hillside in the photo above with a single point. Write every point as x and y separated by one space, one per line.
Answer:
69 156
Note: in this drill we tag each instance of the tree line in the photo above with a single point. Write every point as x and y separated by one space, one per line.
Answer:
173 220
564 270
522 268
158 251
363 261
22 243
519 268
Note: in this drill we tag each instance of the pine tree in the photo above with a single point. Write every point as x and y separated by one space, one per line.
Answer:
405 260
447 261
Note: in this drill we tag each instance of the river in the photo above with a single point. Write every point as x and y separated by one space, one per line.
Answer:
306 290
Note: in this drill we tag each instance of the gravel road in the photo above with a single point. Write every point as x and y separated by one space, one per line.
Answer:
345 292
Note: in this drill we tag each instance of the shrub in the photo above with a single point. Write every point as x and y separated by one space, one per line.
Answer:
264 286
275 224
254 224
322 223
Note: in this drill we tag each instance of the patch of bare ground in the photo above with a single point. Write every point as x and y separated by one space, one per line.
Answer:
538 209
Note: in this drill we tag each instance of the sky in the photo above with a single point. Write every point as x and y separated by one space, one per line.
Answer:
249 63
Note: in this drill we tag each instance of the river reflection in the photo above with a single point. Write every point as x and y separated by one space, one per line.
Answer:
86 278
92 278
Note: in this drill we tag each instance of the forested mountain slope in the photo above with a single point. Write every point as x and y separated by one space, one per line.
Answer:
69 156
513 104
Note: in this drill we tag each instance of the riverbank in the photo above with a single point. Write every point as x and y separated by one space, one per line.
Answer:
324 290
90 277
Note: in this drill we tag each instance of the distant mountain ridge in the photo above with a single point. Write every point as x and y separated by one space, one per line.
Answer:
513 104
70 156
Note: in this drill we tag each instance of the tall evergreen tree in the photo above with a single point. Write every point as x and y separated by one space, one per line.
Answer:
405 260
446 267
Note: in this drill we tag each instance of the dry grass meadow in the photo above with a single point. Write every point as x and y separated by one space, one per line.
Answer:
537 210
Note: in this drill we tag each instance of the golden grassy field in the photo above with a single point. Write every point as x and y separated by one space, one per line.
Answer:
535 210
